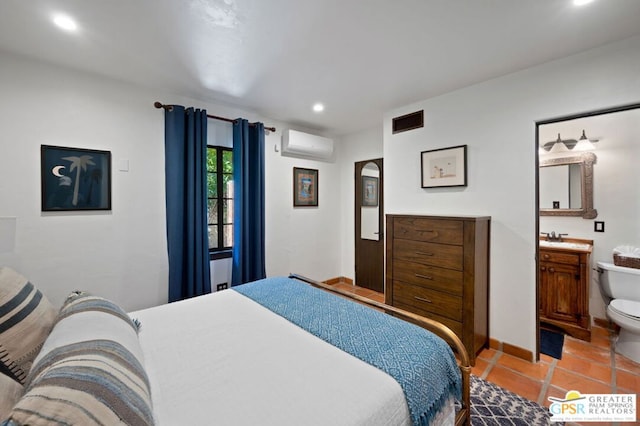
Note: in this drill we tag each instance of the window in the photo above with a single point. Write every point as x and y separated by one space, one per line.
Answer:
220 200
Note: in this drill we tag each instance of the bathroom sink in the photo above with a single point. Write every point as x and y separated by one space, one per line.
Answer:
564 244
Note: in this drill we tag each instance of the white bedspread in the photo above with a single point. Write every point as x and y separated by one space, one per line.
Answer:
223 359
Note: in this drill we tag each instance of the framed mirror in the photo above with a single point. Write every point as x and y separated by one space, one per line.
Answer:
566 186
369 210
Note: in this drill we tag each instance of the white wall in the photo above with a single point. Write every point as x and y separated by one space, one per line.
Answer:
121 254
616 191
303 240
496 119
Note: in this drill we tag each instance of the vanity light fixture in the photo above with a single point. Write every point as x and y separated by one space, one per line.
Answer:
584 144
559 146
567 145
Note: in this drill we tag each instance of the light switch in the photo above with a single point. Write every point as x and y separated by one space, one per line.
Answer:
598 226
123 165
7 234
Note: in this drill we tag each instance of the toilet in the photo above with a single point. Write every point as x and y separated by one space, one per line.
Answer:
622 287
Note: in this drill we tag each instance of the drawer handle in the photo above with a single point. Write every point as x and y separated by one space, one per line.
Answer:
422 299
421 253
552 269
426 277
546 256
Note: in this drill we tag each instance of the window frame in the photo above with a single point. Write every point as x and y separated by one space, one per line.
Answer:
220 252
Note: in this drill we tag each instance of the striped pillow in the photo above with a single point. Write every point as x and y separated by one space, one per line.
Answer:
26 317
89 371
10 393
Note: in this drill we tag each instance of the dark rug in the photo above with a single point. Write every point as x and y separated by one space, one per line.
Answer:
551 343
492 405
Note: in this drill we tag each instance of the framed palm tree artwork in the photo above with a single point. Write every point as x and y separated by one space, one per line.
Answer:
75 178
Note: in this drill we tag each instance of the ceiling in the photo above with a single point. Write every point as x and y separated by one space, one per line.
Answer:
278 57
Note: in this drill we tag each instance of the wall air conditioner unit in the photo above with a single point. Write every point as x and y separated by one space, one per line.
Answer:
300 144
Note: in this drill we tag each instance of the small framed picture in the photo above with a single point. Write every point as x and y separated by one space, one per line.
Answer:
75 178
305 187
444 167
369 191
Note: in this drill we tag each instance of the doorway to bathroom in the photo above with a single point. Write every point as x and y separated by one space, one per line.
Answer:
586 188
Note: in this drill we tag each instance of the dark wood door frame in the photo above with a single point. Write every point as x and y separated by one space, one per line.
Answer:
537 189
369 254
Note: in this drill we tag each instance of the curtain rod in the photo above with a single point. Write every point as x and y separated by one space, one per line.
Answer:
215 117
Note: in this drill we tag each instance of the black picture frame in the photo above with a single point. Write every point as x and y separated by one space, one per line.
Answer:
369 191
75 179
305 187
444 167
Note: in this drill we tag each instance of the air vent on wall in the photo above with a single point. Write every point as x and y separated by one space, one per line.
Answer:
415 120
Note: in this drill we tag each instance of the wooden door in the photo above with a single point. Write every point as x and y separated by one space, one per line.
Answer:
369 225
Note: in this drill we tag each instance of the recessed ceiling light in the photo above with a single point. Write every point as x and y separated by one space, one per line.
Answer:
581 2
318 107
65 22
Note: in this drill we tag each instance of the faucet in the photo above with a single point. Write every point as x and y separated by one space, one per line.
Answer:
552 236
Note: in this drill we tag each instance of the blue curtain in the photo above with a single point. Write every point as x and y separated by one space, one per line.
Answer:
248 199
185 138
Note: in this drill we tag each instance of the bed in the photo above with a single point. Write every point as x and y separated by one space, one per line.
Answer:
276 351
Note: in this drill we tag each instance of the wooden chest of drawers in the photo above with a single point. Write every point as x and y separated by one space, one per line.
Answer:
438 267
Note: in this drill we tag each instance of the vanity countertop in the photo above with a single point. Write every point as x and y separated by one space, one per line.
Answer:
568 244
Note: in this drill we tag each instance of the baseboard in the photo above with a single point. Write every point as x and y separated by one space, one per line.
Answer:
526 355
606 324
495 344
512 350
337 280
518 352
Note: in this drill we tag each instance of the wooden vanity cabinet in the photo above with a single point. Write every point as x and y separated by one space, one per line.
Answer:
564 290
438 267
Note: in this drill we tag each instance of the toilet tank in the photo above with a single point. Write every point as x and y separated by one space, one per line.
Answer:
619 282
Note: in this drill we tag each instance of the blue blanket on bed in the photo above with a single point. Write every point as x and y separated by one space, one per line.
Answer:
422 363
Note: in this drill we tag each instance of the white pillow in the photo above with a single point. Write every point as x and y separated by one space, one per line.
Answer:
89 372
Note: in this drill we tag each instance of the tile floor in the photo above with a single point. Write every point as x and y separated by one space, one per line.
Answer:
586 367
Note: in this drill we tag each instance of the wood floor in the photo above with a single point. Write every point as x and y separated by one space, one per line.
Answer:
586 367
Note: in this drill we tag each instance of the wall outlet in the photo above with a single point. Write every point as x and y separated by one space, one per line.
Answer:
598 226
222 286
